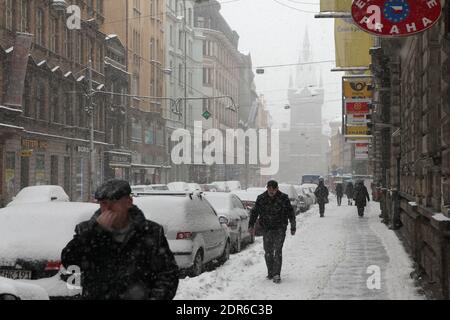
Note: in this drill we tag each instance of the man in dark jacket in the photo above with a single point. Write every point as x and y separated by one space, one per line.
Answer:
121 254
360 195
321 194
349 192
339 193
274 210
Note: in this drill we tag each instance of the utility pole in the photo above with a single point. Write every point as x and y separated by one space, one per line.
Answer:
185 64
90 109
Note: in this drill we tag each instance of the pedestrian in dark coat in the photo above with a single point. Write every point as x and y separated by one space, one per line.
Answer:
360 195
349 192
339 192
274 210
321 193
121 255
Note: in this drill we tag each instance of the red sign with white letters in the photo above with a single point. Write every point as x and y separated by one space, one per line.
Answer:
396 18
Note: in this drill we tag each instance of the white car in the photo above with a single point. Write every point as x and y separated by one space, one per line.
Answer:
39 194
178 186
231 207
18 290
192 228
221 186
32 237
194 187
257 190
292 194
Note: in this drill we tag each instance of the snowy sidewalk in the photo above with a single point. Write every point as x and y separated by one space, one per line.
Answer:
328 258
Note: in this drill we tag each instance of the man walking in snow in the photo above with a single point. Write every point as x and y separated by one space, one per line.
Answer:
360 196
321 194
274 210
121 254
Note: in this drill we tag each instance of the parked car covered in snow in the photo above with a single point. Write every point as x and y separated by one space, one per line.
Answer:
32 237
194 232
230 206
292 194
18 290
38 194
178 186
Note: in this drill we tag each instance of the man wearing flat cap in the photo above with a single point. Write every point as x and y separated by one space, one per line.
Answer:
121 254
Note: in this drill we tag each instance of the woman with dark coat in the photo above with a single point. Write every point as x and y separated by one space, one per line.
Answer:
339 193
349 192
360 196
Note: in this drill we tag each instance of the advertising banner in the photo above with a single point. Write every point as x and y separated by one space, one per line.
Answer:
357 130
354 107
396 18
352 44
335 5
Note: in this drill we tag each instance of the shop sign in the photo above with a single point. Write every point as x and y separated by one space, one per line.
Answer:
396 18
360 108
28 144
357 130
357 89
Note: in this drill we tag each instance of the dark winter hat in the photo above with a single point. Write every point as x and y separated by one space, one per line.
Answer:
113 190
272 184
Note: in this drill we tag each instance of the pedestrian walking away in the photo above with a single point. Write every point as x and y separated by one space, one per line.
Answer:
321 193
121 255
339 193
349 192
360 196
274 211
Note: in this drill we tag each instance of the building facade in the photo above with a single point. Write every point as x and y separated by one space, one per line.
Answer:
45 139
220 81
411 146
140 26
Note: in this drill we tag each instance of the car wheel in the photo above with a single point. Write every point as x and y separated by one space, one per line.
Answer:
226 253
8 296
238 247
197 268
252 238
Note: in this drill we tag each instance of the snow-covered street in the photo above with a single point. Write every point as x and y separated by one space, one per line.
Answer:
336 257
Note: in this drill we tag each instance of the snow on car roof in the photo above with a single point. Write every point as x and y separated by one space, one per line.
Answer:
24 291
40 230
179 213
34 194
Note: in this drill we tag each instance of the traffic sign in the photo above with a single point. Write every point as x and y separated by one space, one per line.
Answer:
206 115
396 18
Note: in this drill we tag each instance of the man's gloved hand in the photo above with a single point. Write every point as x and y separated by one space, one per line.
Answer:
293 232
251 231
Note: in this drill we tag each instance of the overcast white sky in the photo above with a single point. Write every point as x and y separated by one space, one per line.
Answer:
273 34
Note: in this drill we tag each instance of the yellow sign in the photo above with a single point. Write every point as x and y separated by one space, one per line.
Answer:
357 130
26 153
335 5
358 88
352 45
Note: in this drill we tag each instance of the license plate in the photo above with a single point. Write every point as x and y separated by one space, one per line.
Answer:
15 274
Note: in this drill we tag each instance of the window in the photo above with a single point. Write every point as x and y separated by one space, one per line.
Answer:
40 27
136 131
149 134
54 170
40 101
171 35
26 98
40 170
10 172
54 37
190 17
68 46
180 39
9 14
24 18
79 49
100 6
171 73
69 108
180 74
55 104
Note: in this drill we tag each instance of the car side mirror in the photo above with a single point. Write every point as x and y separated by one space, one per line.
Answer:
223 220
